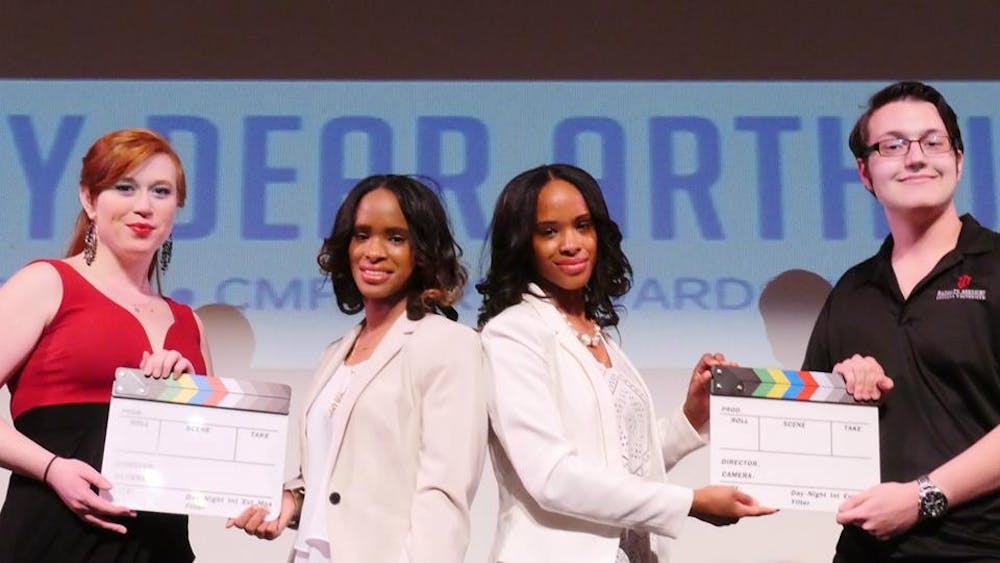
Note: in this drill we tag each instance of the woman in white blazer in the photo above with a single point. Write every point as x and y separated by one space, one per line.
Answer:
579 456
393 437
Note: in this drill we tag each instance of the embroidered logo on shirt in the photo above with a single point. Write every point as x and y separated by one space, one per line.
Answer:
962 291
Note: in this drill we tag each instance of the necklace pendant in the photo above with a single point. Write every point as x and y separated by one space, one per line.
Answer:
335 403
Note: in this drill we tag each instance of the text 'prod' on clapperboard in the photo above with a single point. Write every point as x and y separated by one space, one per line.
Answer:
195 445
792 439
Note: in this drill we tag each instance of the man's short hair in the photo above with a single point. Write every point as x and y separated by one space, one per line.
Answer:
904 91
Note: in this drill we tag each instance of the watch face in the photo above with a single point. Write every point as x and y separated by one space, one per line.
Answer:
933 504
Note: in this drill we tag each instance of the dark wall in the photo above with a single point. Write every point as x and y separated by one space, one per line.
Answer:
659 39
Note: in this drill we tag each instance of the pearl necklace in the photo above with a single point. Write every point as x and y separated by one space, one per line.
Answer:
588 340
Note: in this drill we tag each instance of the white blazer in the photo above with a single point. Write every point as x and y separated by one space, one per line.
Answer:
564 492
412 447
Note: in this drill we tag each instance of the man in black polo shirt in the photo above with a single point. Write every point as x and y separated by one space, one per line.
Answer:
922 318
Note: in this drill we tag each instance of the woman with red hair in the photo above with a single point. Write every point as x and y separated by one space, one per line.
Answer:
66 326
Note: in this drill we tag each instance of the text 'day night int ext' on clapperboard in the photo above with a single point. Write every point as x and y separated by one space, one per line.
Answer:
791 439
195 445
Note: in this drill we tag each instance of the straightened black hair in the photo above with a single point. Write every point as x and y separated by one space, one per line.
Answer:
512 267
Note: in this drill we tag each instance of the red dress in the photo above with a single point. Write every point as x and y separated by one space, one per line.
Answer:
59 399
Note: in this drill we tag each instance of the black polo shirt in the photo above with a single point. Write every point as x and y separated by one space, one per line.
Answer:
941 347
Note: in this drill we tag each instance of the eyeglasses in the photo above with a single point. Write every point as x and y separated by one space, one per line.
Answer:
931 144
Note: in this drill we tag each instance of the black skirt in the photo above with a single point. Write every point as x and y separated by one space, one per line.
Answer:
35 525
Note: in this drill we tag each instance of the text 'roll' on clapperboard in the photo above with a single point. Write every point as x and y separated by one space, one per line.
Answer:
209 446
791 439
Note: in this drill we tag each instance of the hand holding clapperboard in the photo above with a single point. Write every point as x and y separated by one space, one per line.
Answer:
791 439
195 445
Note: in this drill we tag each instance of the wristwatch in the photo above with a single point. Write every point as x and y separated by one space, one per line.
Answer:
298 495
933 503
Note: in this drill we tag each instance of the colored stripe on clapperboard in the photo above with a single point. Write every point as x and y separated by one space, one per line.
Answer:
190 389
773 383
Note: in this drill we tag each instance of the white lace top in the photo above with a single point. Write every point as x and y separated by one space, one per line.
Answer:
633 414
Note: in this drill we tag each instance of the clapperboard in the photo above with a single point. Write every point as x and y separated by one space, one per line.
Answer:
195 445
792 439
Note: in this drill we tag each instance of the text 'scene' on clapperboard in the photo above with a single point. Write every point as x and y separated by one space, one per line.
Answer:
791 439
195 445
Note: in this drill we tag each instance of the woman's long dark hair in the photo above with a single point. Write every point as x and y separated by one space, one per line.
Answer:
438 275
512 266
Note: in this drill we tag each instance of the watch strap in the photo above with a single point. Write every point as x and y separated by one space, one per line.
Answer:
298 496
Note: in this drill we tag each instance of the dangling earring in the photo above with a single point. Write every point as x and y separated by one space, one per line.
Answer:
166 251
89 244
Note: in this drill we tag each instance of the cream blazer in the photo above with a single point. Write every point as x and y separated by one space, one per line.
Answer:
412 448
565 494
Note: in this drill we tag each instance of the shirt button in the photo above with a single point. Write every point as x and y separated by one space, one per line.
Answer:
334 498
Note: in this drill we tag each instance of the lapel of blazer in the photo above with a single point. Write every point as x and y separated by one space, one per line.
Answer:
586 365
328 365
565 336
386 350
